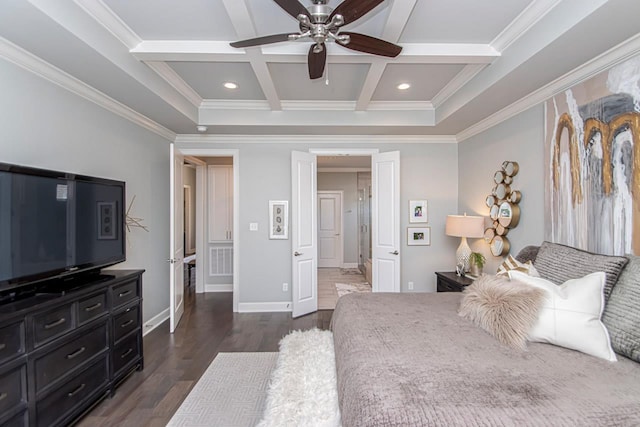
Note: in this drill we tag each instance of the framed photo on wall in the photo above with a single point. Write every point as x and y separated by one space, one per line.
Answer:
278 219
418 236
418 211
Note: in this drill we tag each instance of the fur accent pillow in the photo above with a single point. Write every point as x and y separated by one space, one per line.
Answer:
510 263
505 309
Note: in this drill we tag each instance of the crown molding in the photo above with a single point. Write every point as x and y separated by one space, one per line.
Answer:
315 139
170 76
606 60
109 20
533 13
457 82
43 69
213 104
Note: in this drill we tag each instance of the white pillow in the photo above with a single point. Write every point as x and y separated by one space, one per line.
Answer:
570 315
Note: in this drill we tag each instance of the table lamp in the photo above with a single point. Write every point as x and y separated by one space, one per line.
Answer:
464 226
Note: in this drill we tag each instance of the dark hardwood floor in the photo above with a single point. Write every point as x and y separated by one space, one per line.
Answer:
175 362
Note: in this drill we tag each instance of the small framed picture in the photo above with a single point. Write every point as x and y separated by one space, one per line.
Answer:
107 227
418 211
278 219
418 236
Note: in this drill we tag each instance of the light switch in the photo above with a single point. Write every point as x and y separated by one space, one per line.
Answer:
253 226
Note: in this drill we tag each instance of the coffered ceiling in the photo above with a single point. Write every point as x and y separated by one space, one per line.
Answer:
167 61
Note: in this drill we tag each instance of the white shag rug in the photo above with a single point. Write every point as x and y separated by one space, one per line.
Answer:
348 288
303 389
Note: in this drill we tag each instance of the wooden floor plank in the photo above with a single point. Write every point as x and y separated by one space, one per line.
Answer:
175 362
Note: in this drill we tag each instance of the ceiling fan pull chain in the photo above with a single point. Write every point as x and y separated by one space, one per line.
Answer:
326 82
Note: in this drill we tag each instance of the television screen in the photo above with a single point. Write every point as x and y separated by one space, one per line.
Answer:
54 223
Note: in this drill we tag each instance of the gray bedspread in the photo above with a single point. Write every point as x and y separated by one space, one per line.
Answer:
410 360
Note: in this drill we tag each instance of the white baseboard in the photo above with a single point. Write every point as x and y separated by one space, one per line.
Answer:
350 265
264 307
218 288
155 321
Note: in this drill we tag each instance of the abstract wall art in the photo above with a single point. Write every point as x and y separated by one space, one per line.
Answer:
592 163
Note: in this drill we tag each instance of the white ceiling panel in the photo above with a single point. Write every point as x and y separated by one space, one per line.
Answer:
207 78
426 81
175 20
460 21
292 81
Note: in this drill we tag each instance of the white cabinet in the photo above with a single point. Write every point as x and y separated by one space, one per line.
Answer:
220 203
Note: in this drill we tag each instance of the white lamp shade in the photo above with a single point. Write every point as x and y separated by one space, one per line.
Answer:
465 226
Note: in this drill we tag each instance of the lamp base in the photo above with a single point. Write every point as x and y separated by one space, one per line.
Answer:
463 253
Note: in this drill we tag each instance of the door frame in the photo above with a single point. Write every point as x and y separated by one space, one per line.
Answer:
189 246
341 194
201 194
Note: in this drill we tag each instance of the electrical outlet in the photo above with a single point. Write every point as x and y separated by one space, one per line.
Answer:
410 286
285 287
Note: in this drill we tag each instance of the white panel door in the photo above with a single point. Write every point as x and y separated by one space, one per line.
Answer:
176 241
304 233
385 182
329 229
220 204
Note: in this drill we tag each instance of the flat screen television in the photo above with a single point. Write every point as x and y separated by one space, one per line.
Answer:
56 225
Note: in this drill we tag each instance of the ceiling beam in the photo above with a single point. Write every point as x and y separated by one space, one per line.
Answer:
296 52
243 23
396 21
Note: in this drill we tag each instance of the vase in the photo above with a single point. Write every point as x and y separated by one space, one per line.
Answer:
474 270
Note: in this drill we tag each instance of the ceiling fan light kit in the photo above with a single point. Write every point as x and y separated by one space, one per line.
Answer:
321 23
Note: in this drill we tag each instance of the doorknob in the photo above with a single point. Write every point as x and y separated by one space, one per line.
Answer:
394 253
337 234
296 253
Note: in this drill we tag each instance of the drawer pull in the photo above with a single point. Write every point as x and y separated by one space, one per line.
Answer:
77 390
93 307
3 396
3 346
56 323
127 323
76 353
125 293
126 353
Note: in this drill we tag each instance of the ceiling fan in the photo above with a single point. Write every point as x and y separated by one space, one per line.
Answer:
322 24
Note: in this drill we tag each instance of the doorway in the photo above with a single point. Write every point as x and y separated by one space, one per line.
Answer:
226 259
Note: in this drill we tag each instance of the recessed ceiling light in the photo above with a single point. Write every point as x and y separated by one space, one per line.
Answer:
403 86
230 85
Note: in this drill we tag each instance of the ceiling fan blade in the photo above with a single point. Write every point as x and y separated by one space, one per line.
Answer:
352 10
368 44
317 61
292 7
274 38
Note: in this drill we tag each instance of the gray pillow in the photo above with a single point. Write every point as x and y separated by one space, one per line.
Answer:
622 313
528 253
559 263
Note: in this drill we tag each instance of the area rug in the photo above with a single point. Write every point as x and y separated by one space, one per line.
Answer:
351 271
231 393
348 288
303 389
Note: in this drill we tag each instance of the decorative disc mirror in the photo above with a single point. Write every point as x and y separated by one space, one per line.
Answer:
503 209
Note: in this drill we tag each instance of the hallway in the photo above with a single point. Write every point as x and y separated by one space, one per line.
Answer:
351 280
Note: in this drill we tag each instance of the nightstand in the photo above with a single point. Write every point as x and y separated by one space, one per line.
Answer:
449 281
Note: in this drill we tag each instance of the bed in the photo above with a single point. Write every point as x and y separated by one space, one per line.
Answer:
410 360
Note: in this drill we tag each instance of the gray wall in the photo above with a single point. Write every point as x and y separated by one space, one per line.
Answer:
347 182
46 126
428 171
520 139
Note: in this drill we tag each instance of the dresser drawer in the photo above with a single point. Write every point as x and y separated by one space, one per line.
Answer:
20 420
12 340
122 294
73 394
13 389
125 322
92 308
62 360
125 352
51 324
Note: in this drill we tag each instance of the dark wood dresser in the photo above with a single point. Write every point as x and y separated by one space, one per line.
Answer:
449 281
60 353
